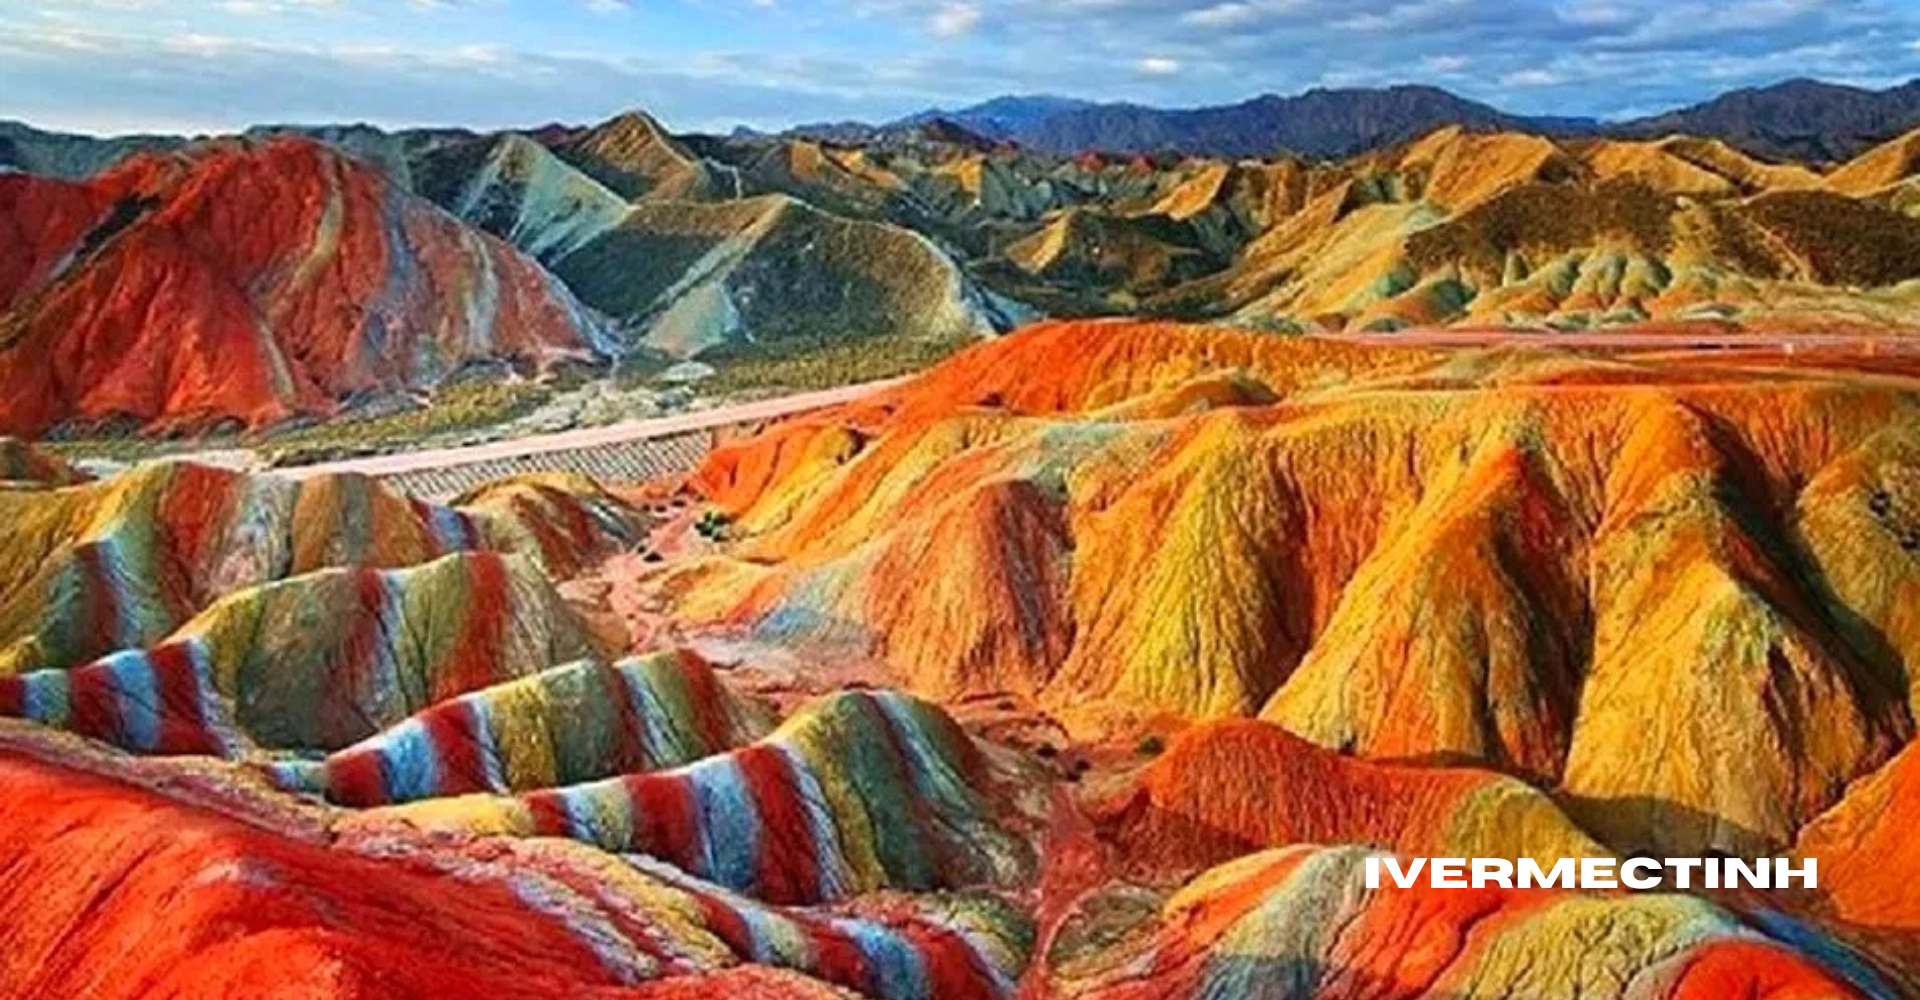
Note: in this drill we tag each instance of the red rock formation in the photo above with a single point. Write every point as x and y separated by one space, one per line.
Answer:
1225 789
133 883
132 896
1667 586
251 282
1297 923
1867 851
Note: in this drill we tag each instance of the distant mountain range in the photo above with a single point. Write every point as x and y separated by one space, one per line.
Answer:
1323 123
1797 119
292 270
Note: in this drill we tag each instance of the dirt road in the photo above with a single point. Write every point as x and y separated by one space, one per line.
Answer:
593 437
771 409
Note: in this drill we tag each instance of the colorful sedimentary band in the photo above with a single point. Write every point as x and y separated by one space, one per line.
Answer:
575 723
158 701
912 956
323 660
128 560
560 519
328 659
1301 916
510 919
1224 788
858 791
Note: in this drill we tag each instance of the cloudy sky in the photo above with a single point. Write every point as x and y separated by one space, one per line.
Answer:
213 65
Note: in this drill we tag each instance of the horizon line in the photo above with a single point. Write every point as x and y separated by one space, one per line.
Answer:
938 110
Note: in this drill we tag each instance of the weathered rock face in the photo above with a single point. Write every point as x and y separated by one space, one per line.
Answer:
1299 922
689 277
350 712
1588 572
633 155
1485 604
1457 226
75 157
517 189
122 563
1494 604
1511 229
1231 788
249 282
857 792
315 662
1865 853
689 255
566 725
23 465
219 891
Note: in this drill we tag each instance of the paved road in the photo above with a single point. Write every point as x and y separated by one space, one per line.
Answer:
630 431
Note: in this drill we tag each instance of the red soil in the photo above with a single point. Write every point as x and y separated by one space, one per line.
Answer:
112 891
1226 789
1867 851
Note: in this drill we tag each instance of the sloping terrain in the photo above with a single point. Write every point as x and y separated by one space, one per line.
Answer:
1509 230
1888 173
73 157
124 562
216 892
633 155
1793 119
691 277
439 697
565 725
856 792
1235 787
318 661
1864 854
1495 603
1298 922
23 465
1096 251
518 190
1458 225
688 254
1319 122
1801 118
251 282
1542 564
352 290
1206 617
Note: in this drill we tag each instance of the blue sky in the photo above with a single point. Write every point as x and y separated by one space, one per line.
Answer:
214 65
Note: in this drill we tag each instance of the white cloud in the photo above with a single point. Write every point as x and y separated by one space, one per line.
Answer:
762 62
1595 13
953 20
1241 13
1223 15
1530 78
